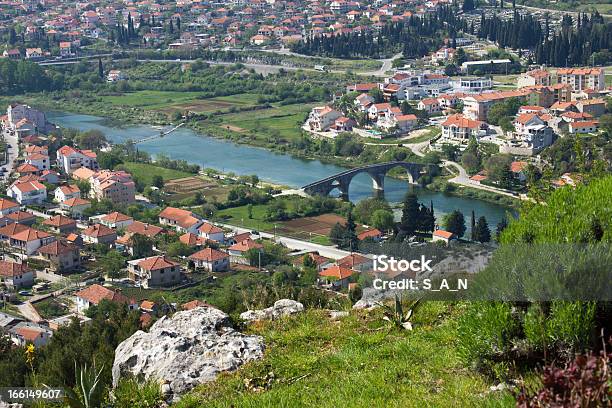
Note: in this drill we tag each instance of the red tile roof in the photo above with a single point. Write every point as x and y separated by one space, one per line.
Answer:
337 272
208 255
154 263
95 294
11 269
57 248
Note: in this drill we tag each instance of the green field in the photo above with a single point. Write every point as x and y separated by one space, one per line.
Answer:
358 361
283 120
145 172
240 216
168 101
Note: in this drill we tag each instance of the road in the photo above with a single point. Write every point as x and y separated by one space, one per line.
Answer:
295 244
462 177
552 11
387 64
13 151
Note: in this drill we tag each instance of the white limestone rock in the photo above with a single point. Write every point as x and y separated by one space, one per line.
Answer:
187 349
283 307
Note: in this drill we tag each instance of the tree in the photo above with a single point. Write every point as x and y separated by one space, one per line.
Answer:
254 180
473 226
178 249
250 211
157 181
382 220
308 262
483 233
455 223
142 246
112 263
350 234
100 69
410 214
336 234
501 226
84 187
91 140
364 209
377 95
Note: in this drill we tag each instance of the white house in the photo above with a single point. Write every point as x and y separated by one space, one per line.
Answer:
155 271
459 129
69 159
211 260
8 207
94 294
29 192
29 240
66 192
322 118
16 275
116 220
38 160
211 232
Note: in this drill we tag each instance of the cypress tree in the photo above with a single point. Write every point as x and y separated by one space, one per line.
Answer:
473 226
483 233
100 68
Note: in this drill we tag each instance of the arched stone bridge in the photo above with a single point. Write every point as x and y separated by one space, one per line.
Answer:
341 181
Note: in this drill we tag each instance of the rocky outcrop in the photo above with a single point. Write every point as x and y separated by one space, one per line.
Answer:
283 307
184 350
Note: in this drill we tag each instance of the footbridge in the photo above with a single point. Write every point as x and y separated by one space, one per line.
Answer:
377 172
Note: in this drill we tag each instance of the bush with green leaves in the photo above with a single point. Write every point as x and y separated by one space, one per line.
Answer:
132 394
485 334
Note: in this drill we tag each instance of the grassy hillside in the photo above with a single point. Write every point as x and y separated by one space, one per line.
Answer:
355 362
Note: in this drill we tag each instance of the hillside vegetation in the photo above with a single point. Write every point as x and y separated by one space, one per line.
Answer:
358 361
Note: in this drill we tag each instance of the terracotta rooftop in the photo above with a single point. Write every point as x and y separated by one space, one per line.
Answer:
95 294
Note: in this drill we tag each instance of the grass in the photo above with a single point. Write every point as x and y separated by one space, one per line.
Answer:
355 362
433 132
169 101
240 216
285 121
145 172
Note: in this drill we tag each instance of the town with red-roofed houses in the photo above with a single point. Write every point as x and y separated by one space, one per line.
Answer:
235 203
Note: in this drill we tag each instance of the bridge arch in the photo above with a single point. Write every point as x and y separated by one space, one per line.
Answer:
377 172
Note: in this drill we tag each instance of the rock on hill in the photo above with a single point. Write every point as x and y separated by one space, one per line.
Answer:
185 350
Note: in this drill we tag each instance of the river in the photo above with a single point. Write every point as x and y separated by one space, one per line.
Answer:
209 152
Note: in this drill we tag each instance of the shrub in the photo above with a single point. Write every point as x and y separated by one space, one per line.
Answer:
485 334
585 382
129 393
570 325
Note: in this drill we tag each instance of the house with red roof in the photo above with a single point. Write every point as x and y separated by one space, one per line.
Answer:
7 207
116 220
445 236
356 262
22 217
335 276
155 271
29 240
29 192
75 206
60 224
321 118
238 250
94 294
99 234
182 220
16 275
211 232
211 260
66 192
62 256
459 129
374 234
70 159
25 333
